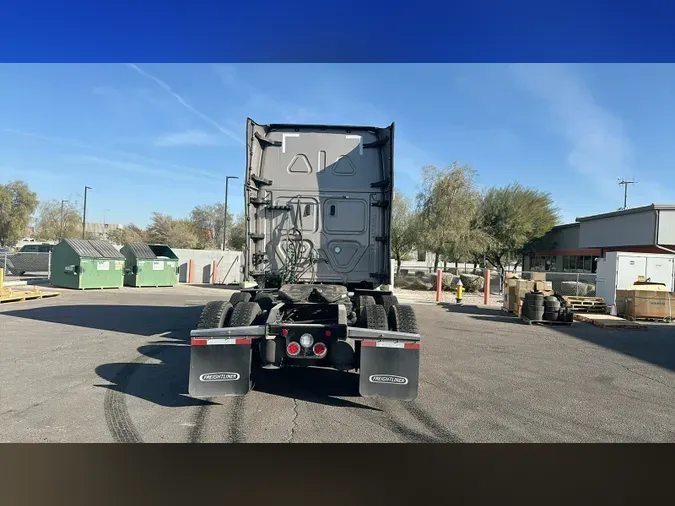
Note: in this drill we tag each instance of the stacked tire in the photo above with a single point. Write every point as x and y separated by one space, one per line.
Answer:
533 306
551 308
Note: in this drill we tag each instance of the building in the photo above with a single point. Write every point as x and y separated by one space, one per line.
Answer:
575 247
99 230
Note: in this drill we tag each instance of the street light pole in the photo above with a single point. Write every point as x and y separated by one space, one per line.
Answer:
227 181
84 213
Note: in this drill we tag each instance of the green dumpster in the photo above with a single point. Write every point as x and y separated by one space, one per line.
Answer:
83 264
149 265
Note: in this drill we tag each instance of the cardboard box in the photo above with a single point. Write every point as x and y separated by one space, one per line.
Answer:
537 276
648 304
639 287
517 292
543 286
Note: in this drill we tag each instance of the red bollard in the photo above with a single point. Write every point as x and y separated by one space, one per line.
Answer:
190 271
439 284
213 273
486 288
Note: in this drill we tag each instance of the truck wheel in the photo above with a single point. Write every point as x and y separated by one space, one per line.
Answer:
374 317
239 297
215 315
386 301
402 319
362 301
266 302
244 314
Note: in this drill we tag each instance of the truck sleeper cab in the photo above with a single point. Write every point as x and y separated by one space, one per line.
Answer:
315 285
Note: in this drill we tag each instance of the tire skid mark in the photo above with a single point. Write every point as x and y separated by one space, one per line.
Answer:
229 410
235 432
442 433
198 423
386 420
120 424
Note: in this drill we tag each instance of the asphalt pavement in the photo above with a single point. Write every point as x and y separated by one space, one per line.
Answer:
112 366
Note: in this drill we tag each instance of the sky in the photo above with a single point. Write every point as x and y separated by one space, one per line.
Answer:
162 137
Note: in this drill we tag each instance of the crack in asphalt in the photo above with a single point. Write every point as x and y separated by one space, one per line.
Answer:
294 422
645 376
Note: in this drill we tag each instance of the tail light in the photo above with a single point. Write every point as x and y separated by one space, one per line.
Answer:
320 350
293 349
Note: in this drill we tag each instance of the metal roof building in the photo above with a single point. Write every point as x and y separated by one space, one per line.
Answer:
574 247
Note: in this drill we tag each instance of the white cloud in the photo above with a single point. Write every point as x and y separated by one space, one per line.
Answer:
125 154
137 168
599 148
275 109
189 138
189 107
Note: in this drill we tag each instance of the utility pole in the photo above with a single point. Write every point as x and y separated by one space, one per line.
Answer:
625 184
84 213
61 228
227 181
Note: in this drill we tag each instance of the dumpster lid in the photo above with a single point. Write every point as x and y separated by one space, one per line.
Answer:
93 248
140 250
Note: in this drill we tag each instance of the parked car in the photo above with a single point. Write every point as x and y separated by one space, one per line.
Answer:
36 248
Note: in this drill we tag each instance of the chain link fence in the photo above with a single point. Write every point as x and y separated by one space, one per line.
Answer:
580 284
16 264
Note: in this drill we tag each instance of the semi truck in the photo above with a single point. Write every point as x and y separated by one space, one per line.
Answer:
317 280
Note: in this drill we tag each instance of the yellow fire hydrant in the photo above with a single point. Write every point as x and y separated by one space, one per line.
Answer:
460 291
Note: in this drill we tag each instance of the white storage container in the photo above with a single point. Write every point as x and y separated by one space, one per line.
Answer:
620 269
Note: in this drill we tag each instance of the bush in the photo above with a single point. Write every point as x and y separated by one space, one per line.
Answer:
449 281
472 283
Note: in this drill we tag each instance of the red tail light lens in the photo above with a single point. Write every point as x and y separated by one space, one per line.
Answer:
328 333
284 332
319 349
293 349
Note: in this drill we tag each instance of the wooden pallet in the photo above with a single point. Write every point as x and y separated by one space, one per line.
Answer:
586 304
578 299
648 319
543 322
606 321
8 295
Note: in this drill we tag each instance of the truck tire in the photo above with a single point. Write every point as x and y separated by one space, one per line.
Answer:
386 301
215 315
374 317
362 301
265 301
245 314
239 297
402 319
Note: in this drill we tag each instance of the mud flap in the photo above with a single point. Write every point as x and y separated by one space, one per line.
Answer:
220 367
389 369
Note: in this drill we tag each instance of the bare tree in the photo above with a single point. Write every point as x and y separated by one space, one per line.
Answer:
403 234
237 234
58 220
448 206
